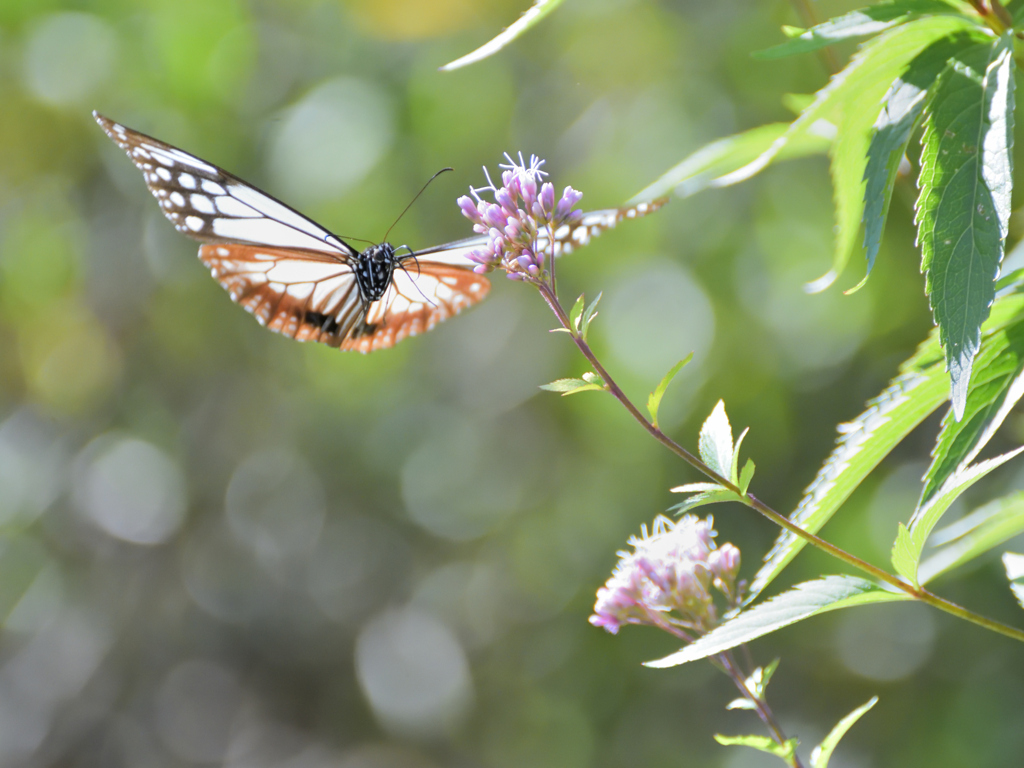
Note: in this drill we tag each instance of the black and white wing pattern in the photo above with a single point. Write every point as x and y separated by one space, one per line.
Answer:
301 280
294 276
209 204
568 237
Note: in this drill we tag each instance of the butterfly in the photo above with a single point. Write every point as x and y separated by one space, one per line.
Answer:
301 280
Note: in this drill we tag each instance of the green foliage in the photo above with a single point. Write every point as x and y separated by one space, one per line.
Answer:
916 392
583 324
973 535
716 449
589 382
654 399
855 104
810 598
860 23
964 207
705 168
581 316
719 453
862 444
996 387
822 753
784 751
757 683
904 558
530 18
901 111
925 517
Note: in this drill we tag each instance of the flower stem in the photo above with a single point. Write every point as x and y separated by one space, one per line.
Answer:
760 705
727 664
756 504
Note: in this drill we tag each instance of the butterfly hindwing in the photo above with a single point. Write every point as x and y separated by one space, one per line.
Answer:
567 238
305 295
422 293
313 298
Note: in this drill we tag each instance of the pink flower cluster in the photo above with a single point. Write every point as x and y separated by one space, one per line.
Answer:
519 224
668 578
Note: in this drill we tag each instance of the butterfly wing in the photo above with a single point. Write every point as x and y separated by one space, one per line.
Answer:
423 292
301 294
567 238
209 204
312 297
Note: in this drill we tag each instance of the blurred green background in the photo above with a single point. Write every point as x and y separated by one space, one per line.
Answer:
222 547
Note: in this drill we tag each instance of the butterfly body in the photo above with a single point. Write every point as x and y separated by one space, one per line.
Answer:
301 280
374 271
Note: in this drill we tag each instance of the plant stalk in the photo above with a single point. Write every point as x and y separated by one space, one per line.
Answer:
756 504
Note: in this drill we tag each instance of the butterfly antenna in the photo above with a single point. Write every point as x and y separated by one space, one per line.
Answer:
347 237
414 200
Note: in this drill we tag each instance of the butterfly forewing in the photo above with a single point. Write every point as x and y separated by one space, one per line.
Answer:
210 204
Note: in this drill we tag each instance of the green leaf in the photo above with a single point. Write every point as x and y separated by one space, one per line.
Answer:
700 499
701 169
867 76
784 751
741 704
697 488
861 23
531 17
904 559
572 386
901 110
862 444
925 518
964 206
973 535
801 602
716 441
576 313
919 389
822 753
654 399
734 469
588 314
858 114
996 387
757 681
1016 9
1014 565
746 475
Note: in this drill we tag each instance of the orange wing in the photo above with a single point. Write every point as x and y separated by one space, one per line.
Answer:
314 297
421 296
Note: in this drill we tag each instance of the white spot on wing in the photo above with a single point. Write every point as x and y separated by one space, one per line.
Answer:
267 232
265 205
163 173
177 199
212 187
202 203
229 206
194 223
187 180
